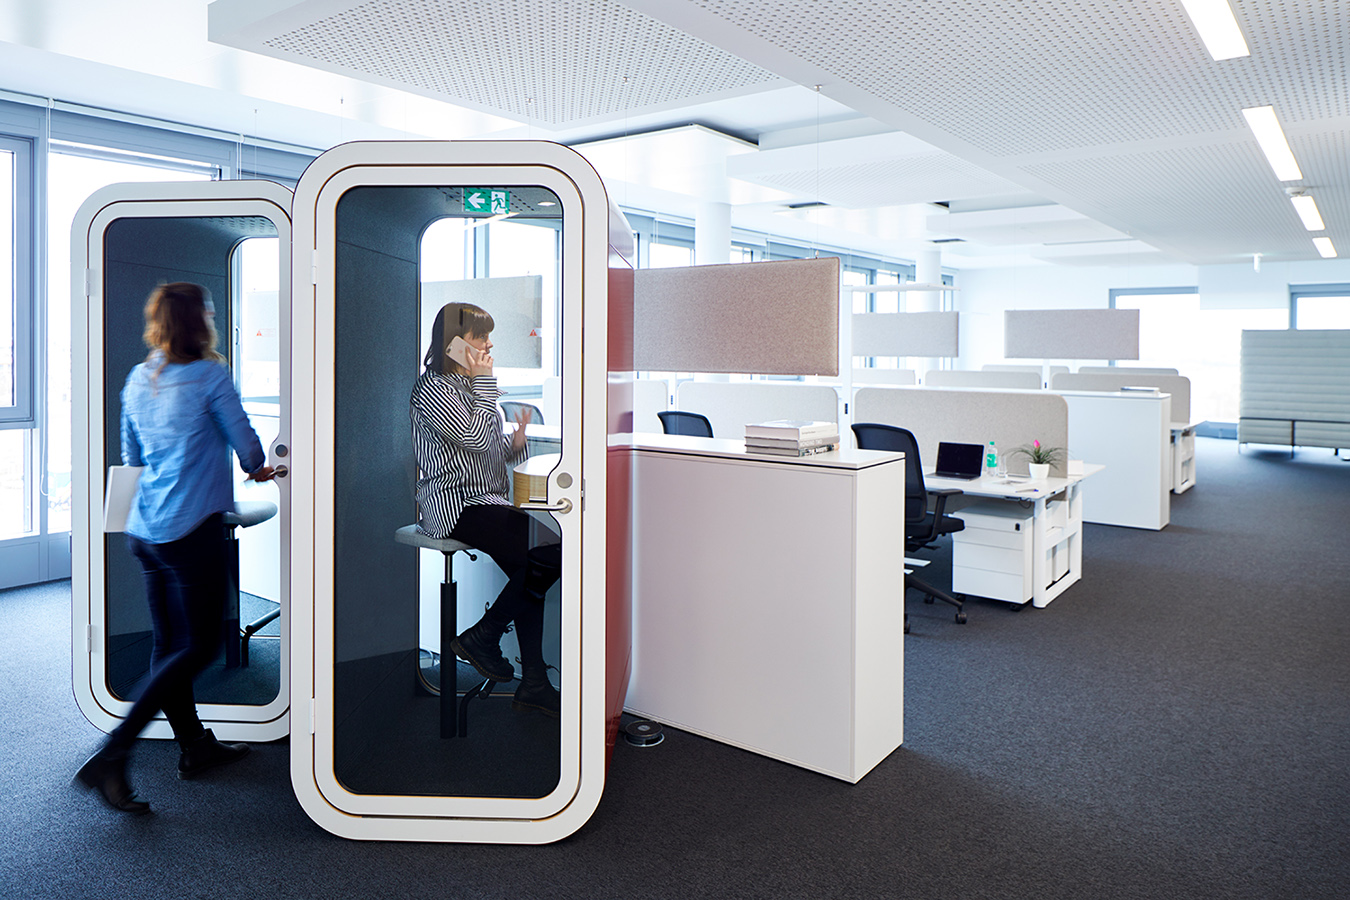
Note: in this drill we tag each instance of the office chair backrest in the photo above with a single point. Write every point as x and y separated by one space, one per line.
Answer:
511 407
874 436
676 421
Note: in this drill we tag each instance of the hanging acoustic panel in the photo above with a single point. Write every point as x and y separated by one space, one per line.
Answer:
765 318
1071 334
906 334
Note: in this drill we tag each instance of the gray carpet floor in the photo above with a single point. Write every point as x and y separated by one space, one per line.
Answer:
1176 725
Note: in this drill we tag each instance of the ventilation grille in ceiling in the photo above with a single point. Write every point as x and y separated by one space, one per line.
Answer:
555 62
890 182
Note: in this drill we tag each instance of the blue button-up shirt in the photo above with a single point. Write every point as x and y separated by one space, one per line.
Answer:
179 422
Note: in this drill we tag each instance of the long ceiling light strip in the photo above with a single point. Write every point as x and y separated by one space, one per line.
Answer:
1217 27
1325 247
1306 207
1269 134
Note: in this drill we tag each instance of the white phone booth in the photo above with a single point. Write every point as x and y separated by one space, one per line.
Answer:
233 237
521 229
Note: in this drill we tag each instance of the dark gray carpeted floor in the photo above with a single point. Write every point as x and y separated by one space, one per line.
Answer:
1177 725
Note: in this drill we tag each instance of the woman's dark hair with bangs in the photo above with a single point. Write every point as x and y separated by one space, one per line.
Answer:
455 320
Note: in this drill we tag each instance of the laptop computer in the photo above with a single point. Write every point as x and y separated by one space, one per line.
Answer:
959 460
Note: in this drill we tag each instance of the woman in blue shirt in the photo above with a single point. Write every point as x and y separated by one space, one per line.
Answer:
463 459
180 418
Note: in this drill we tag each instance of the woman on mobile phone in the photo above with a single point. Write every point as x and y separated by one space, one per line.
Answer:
464 457
180 418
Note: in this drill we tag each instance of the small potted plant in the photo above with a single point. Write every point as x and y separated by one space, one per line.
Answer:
1039 458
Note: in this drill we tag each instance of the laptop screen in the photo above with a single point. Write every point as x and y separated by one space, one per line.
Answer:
959 460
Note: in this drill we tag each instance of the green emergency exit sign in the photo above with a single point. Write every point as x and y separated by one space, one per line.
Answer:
487 200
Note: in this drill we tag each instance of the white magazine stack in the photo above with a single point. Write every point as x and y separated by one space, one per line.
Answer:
791 437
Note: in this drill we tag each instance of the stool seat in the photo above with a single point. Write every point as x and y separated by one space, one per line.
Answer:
250 512
409 534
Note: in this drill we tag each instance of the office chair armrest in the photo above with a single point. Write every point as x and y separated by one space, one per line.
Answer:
940 505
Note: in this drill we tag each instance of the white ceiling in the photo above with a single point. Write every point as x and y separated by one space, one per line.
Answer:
1081 132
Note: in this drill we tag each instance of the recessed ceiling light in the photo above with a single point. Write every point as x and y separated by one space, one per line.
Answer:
1306 208
1324 247
547 203
1269 134
1218 28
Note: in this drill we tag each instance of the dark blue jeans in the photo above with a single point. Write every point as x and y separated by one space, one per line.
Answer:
504 533
185 583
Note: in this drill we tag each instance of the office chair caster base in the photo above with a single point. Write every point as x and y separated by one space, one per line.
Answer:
906 623
928 598
960 618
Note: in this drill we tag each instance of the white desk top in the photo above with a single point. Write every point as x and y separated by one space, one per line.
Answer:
843 458
1011 488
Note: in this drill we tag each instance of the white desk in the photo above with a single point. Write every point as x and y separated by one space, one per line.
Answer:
767 603
1054 508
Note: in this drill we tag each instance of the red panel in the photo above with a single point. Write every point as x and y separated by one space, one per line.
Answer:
619 489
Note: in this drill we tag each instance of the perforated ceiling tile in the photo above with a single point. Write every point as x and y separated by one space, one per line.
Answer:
552 61
1015 78
1212 204
890 182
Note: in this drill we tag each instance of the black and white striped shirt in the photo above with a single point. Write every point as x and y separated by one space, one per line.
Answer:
463 454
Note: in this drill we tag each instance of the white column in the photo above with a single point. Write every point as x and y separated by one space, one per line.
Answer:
927 270
712 234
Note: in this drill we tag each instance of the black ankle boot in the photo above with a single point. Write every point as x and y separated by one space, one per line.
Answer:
480 646
536 692
106 772
205 752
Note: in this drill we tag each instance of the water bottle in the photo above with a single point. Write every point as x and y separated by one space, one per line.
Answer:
991 460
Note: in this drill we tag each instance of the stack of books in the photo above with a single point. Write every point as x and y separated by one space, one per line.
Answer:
791 437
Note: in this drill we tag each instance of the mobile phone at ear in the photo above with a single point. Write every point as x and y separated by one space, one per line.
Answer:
459 351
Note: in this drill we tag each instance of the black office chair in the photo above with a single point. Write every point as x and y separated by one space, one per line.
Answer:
512 407
922 528
676 421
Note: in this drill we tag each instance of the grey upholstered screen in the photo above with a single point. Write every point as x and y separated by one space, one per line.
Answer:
1295 388
516 307
1071 334
767 318
906 334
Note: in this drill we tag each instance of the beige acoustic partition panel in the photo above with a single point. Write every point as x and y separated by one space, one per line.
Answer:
730 407
1010 418
884 376
1025 381
766 318
1179 386
906 334
1071 333
1137 370
516 307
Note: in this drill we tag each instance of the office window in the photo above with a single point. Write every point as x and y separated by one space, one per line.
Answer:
662 255
1168 324
8 306
71 178
1319 307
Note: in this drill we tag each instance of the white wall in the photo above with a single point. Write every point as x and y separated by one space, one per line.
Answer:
985 293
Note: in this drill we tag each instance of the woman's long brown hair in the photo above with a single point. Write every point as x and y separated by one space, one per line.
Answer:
177 324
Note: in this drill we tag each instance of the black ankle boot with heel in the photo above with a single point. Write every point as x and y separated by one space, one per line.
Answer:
205 752
106 772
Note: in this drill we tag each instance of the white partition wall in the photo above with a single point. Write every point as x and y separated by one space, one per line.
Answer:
375 761
1114 379
1071 333
126 240
1129 434
730 407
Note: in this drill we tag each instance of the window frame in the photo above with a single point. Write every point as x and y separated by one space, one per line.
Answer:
1297 291
23 413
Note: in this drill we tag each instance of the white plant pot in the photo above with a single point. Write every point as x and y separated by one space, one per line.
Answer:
1039 471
